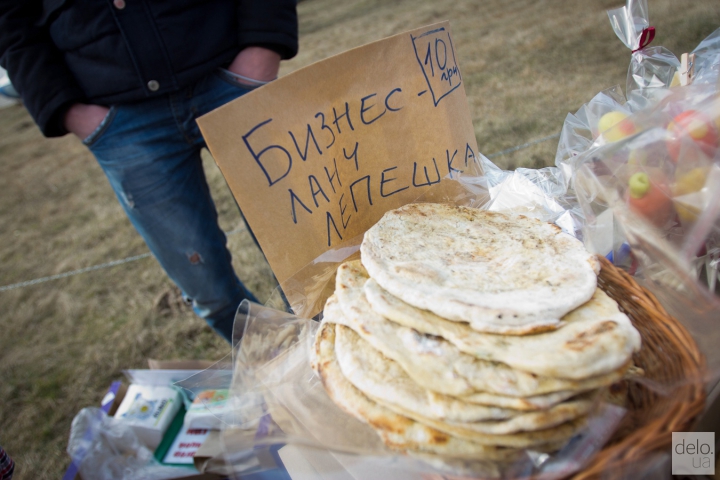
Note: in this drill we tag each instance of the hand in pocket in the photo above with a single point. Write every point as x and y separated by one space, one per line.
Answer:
256 63
82 119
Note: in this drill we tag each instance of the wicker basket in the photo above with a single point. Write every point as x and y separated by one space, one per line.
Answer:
669 356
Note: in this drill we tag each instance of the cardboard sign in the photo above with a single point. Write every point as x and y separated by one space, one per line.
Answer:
318 156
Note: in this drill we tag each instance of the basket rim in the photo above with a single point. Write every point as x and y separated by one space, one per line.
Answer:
688 399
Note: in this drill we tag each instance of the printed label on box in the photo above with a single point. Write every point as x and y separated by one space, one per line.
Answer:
185 446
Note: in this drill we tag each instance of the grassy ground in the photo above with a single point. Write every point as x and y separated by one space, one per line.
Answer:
525 64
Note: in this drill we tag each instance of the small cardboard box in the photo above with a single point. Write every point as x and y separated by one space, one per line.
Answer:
176 370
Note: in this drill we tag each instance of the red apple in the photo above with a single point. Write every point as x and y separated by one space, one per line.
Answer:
692 125
649 198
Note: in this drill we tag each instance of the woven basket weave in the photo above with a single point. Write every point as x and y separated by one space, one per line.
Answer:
670 357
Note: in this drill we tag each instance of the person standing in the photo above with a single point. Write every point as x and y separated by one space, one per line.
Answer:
129 78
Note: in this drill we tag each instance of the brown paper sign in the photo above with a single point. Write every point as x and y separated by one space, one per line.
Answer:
318 156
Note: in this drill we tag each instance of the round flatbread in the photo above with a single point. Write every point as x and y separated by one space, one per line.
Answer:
533 402
402 433
431 361
501 274
398 432
597 338
561 414
382 380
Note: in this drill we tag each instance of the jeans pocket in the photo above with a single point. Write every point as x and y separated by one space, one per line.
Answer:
91 139
239 81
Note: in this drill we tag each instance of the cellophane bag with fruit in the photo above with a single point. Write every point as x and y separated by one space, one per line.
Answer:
644 169
654 178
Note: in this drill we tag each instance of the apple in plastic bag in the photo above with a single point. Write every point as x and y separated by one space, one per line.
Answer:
694 126
649 198
687 183
615 125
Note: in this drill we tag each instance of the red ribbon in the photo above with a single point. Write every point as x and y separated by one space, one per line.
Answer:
647 36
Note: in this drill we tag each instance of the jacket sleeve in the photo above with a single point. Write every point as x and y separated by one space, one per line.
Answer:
35 66
270 23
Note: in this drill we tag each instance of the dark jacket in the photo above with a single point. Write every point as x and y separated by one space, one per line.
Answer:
60 52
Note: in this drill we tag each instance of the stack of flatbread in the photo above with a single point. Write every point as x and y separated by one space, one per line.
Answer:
471 335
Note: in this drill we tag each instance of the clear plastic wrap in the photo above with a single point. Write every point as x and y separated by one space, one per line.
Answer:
650 67
536 193
276 398
661 187
276 395
105 448
216 378
611 138
706 64
665 136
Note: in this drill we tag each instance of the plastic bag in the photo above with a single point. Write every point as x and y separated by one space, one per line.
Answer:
706 63
672 248
105 448
661 187
650 67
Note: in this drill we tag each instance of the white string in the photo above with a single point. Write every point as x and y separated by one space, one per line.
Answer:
74 272
114 263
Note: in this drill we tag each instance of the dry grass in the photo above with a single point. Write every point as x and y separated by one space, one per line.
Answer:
525 65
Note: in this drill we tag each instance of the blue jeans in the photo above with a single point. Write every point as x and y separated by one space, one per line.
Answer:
150 152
